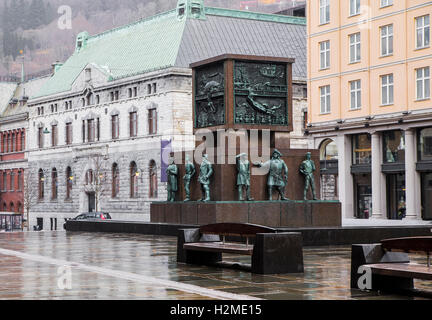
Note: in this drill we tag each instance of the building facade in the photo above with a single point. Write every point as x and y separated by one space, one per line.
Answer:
370 105
13 135
100 128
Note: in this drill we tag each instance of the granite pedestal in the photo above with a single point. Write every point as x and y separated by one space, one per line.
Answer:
290 214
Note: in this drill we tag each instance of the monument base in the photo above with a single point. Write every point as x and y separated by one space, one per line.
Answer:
289 214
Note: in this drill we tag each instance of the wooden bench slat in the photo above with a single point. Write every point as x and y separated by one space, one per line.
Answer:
411 244
236 248
406 270
235 229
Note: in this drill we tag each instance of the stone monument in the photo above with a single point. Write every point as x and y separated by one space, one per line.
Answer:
247 99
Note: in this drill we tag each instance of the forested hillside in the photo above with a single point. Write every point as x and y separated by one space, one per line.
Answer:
31 26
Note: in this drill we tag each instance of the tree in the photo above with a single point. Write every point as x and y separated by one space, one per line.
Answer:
96 178
30 192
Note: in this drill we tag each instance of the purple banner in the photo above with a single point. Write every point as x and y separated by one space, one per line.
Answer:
165 155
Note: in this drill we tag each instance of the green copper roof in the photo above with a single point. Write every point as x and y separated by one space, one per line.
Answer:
146 45
177 38
255 15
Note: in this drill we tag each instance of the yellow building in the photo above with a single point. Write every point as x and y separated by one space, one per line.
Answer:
370 107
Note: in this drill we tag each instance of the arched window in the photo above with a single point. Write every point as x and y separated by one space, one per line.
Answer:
328 150
115 180
54 183
12 207
134 174
41 184
153 179
69 182
20 207
4 206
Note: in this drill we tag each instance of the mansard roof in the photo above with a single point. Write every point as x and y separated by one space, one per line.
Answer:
169 40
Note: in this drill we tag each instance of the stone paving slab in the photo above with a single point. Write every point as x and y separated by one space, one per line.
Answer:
142 267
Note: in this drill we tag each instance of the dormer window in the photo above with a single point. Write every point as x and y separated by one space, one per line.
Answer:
88 75
181 10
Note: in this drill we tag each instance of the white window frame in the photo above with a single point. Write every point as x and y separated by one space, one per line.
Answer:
355 94
387 89
324 11
324 54
422 30
423 83
355 47
354 7
386 3
325 99
386 38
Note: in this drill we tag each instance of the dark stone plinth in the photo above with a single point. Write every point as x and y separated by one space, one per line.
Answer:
286 214
278 253
364 254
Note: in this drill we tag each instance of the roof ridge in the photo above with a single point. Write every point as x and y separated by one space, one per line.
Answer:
242 14
142 20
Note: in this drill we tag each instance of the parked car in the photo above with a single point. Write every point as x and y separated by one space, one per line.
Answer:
90 216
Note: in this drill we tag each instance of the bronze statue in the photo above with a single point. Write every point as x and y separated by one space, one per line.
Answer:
243 176
278 173
307 168
206 171
172 187
190 172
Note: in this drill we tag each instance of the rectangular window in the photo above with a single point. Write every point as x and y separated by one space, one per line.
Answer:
423 83
90 130
152 119
387 40
386 3
362 148
115 127
325 54
12 181
20 182
355 91
40 138
324 11
98 129
354 7
4 181
355 54
83 130
422 32
133 124
69 134
387 90
325 99
54 135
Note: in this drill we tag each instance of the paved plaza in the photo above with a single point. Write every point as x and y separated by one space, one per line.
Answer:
61 265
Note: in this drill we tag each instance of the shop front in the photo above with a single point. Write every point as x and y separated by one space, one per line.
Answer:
424 166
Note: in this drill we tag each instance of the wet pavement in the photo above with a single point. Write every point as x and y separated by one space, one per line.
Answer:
117 267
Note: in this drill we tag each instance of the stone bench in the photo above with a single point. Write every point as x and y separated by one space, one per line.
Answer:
389 263
271 252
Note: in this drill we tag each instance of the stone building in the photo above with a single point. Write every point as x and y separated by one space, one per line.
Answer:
370 107
100 126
